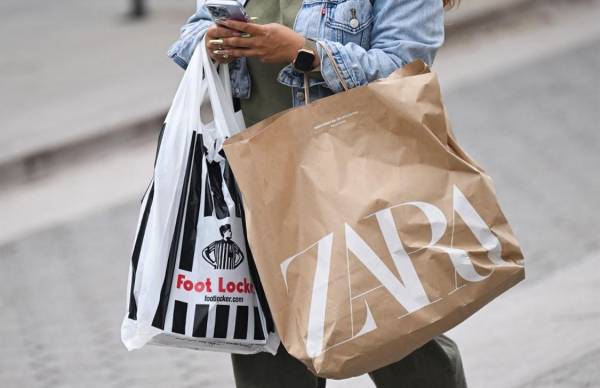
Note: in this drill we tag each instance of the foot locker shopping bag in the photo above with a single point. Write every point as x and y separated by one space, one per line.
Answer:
191 276
371 229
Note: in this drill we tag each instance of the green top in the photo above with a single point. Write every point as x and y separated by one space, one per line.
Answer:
267 96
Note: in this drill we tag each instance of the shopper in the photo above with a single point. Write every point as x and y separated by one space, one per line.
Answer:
268 63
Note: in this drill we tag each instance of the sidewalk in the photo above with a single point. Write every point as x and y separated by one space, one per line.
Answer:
550 331
77 70
79 73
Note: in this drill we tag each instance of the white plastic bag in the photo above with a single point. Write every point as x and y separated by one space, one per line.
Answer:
190 279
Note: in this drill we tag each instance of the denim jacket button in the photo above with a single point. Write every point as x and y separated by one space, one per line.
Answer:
300 96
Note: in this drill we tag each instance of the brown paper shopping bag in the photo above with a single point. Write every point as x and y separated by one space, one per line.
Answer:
372 230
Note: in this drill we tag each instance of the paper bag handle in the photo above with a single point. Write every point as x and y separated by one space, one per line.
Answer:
334 64
336 68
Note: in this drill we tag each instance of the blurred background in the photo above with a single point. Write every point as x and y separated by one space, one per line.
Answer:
84 86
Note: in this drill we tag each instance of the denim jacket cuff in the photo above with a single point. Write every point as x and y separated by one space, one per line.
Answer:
173 53
177 59
353 77
288 76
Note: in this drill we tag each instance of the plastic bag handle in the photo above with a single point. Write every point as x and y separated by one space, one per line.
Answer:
225 81
220 100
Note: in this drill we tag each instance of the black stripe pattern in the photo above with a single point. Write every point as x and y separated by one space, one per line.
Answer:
188 245
135 257
207 183
139 238
215 198
221 321
165 292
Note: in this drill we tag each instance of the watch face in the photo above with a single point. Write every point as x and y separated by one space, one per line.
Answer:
304 60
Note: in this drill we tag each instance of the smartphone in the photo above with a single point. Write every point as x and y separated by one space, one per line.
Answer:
226 9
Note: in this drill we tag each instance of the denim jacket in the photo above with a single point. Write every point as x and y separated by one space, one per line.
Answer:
368 40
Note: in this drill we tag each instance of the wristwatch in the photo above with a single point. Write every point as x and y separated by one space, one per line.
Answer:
306 56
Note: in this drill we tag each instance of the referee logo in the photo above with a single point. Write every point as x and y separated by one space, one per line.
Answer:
224 253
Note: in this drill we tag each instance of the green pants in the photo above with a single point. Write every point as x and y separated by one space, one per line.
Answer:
437 364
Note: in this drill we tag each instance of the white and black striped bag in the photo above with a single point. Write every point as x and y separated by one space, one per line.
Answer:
191 275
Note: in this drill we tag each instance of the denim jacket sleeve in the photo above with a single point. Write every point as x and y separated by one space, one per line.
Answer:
403 31
192 32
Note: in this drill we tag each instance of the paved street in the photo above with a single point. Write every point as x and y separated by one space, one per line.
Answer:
532 122
79 68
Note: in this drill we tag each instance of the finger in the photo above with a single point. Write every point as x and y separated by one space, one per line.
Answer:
220 49
224 54
250 28
221 32
240 42
243 52
218 44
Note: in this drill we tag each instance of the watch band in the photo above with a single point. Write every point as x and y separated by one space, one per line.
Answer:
311 44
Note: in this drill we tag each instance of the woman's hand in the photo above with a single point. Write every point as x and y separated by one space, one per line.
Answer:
271 43
217 51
